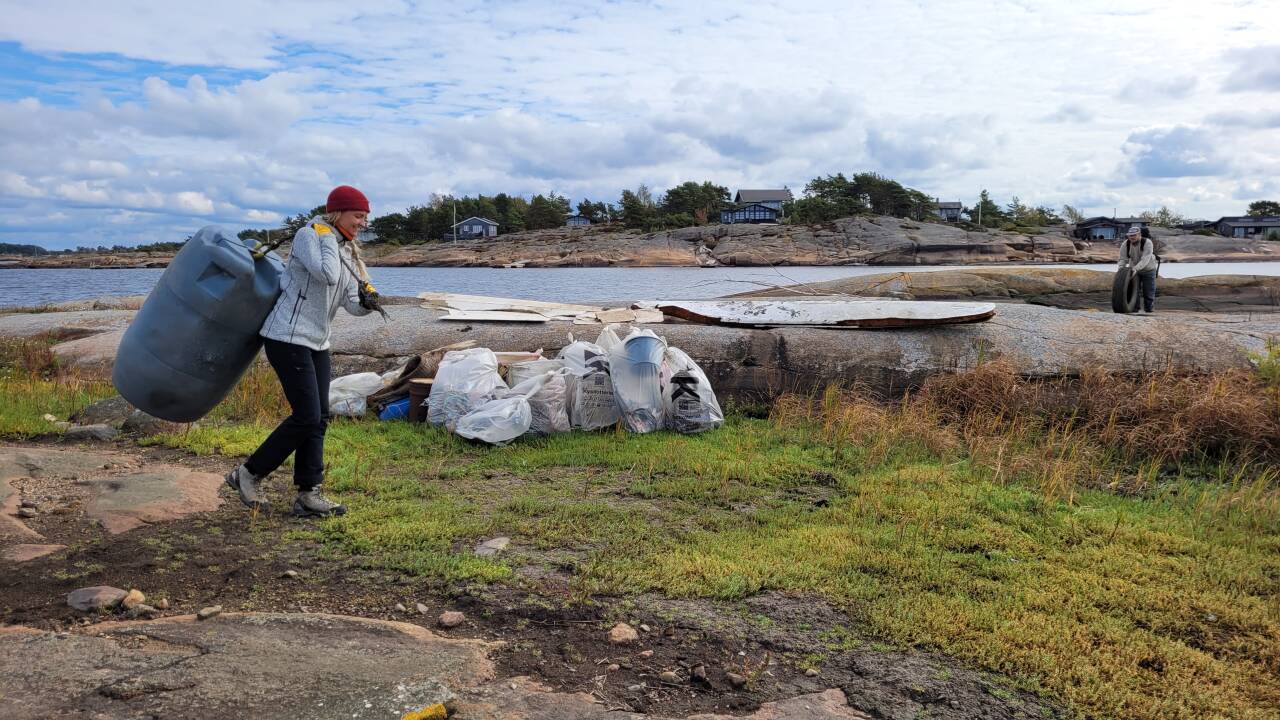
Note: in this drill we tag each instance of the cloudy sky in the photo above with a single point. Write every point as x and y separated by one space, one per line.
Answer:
132 121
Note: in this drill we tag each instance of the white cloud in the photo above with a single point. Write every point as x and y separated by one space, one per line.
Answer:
165 116
1172 152
1255 68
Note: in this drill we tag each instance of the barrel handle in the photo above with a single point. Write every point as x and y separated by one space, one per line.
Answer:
231 259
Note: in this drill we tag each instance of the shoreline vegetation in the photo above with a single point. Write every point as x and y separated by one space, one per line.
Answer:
1110 543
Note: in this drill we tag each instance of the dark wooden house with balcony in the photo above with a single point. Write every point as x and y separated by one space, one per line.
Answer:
1106 228
1248 226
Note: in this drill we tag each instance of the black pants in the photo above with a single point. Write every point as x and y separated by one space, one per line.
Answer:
304 375
1148 281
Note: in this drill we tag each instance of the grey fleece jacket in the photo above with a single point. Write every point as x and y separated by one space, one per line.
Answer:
1138 258
316 283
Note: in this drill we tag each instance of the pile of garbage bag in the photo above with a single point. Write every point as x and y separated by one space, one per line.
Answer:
638 381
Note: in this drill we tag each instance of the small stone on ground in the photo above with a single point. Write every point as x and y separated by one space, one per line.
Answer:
450 619
623 634
91 433
98 597
489 548
209 612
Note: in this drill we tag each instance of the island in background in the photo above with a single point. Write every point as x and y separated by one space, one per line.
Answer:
860 240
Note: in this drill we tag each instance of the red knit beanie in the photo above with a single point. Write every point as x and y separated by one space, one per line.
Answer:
345 197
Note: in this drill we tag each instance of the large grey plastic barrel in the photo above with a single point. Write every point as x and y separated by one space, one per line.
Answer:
197 332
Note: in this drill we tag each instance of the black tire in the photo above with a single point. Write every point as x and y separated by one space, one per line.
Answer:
1125 292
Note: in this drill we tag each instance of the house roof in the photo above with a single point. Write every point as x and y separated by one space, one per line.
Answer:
486 221
1247 221
755 196
950 206
1109 221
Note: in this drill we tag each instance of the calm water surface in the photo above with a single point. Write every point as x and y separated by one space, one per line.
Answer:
34 287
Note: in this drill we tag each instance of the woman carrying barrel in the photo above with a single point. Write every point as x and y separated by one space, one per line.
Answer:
324 272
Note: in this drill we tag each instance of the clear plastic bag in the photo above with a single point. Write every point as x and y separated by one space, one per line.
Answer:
608 339
465 381
497 422
689 402
519 372
636 366
546 396
347 394
588 388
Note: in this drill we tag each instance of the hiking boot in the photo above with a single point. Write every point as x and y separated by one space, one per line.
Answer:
248 486
313 503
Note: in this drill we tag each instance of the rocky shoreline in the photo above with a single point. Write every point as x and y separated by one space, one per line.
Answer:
1046 326
864 240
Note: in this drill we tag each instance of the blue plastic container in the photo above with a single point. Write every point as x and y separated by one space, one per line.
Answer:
197 332
398 410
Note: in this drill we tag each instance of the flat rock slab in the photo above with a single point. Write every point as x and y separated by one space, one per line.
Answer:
96 352
117 494
759 364
66 325
16 463
292 666
235 666
162 492
26 552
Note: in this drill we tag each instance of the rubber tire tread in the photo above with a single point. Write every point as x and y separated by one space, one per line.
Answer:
1125 292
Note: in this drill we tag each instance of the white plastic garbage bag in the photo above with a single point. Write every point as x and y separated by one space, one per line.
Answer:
497 422
519 372
466 380
588 387
546 396
636 366
608 339
347 394
688 400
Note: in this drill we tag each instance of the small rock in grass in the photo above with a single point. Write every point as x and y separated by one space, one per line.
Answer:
140 423
646 654
736 680
812 672
27 513
93 433
614 667
28 503
163 604
50 418
668 676
291 574
209 612
623 634
422 609
699 672
489 548
644 628
635 688
133 599
97 597
142 611
450 619
400 608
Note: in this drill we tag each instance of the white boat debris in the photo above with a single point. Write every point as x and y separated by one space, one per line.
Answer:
494 316
480 308
827 313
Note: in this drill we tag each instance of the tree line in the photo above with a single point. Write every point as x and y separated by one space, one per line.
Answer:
698 203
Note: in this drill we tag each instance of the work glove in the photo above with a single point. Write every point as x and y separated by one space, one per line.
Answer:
371 300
